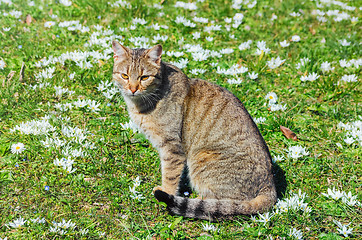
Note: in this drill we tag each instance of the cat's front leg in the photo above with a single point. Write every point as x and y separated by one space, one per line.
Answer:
173 160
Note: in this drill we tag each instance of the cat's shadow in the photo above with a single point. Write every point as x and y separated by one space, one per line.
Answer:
279 179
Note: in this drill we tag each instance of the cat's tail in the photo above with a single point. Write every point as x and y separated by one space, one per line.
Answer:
212 209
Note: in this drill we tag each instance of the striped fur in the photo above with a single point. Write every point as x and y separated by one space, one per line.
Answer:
201 126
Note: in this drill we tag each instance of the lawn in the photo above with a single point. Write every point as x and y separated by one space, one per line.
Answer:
72 165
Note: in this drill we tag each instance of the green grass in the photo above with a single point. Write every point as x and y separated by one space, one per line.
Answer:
96 197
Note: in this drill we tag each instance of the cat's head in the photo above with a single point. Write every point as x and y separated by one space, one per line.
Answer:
136 70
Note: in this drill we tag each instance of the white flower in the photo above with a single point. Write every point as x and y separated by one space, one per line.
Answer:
64 224
245 45
66 3
188 6
297 151
208 227
49 24
276 107
350 200
295 38
349 140
226 51
238 17
37 220
264 218
295 202
272 97
297 234
342 228
182 63
259 120
277 158
17 148
275 62
17 223
311 77
83 231
137 181
93 106
209 39
253 75
285 43
326 67
71 76
2 64
196 35
139 21
294 14
81 103
234 81
261 48
344 42
335 194
201 19
349 78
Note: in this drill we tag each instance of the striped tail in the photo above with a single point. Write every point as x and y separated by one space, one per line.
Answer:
212 209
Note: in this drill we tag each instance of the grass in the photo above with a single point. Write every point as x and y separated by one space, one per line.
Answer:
96 197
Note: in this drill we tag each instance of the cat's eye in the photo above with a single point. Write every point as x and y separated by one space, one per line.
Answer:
144 78
124 76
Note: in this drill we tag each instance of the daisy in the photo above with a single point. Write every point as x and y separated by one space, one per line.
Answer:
17 148
272 97
295 38
49 24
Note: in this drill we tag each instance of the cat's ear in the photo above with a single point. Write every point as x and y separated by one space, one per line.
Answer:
155 53
120 52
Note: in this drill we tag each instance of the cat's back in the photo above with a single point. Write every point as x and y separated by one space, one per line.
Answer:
215 118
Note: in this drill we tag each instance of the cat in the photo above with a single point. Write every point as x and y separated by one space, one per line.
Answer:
201 126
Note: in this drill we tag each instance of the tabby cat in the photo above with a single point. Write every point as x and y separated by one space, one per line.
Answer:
200 126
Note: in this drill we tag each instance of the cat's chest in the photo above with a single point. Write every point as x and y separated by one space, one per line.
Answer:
148 125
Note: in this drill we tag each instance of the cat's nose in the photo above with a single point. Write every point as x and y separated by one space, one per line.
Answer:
133 89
